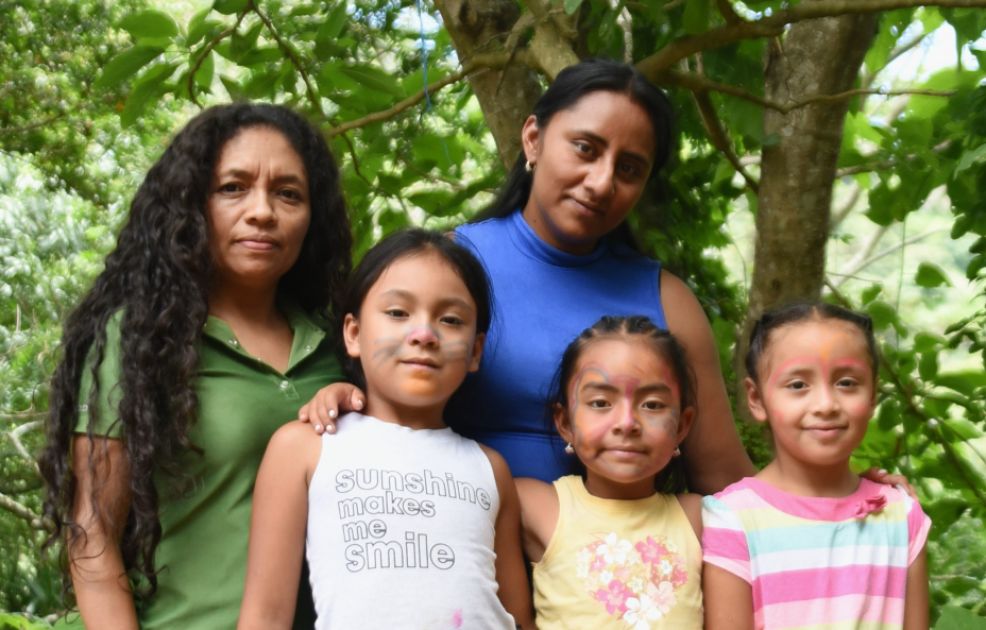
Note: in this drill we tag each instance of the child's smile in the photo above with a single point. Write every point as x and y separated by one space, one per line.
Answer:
624 418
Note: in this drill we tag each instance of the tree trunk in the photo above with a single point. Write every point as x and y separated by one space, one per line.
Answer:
800 152
506 96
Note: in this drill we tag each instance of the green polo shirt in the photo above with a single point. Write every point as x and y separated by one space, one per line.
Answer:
242 401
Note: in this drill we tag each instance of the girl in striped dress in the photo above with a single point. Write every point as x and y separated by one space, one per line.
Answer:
806 543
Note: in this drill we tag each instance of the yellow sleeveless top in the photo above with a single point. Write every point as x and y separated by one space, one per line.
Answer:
618 564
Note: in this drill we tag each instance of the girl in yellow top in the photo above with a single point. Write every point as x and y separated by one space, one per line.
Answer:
610 548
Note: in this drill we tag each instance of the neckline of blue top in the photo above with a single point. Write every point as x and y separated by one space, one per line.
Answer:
531 244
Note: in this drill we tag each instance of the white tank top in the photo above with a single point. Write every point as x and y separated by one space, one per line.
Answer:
400 530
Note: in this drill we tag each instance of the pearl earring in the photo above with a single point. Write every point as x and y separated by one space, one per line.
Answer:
528 166
569 449
676 452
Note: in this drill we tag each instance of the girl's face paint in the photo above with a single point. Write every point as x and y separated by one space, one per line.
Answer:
415 338
624 417
817 392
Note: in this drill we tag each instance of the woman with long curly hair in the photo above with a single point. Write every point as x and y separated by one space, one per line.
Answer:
203 334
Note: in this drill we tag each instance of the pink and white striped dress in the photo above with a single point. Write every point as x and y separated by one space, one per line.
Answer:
817 562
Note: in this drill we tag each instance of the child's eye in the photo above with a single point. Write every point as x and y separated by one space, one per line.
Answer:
797 385
598 403
654 405
847 382
396 313
452 320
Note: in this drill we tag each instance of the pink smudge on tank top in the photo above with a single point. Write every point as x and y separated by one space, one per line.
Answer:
457 619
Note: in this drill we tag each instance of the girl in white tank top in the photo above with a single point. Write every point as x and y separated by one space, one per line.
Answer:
408 525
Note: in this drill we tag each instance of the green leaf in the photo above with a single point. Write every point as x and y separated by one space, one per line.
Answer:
928 365
927 342
198 26
963 382
571 6
229 7
955 618
971 158
869 293
930 275
883 314
696 17
329 31
373 79
240 43
203 76
149 24
971 455
147 88
125 65
963 429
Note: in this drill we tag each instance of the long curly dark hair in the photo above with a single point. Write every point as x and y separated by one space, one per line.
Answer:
158 280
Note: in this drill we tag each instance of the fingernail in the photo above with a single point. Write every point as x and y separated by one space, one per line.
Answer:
332 413
358 404
318 428
883 471
331 428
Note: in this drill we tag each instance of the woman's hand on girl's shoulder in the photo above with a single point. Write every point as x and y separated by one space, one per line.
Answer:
691 504
879 475
538 515
323 409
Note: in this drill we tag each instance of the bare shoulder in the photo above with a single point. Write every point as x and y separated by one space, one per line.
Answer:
294 444
681 307
501 471
534 491
691 504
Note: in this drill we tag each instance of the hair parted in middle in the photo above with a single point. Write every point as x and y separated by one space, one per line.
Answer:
632 329
415 242
802 312
158 280
571 84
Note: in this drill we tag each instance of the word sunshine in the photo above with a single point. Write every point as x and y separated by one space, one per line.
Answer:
425 482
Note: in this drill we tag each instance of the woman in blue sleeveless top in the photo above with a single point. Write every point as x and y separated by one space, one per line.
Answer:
560 255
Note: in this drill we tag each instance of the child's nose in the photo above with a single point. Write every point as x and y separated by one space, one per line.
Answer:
826 401
422 336
626 422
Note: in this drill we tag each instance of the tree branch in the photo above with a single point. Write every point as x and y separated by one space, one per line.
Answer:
15 437
472 65
718 136
696 83
292 56
209 46
21 511
773 25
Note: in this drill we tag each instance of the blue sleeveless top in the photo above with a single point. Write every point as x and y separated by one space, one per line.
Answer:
543 298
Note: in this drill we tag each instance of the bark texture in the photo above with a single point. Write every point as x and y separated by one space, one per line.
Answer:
505 96
821 56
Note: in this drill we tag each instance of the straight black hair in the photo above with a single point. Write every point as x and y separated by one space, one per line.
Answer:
414 242
571 84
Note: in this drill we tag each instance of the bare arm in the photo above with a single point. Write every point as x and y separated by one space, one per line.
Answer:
514 591
728 600
277 528
538 515
715 455
95 562
916 594
692 506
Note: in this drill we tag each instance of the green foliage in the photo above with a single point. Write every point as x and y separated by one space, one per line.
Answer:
84 107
